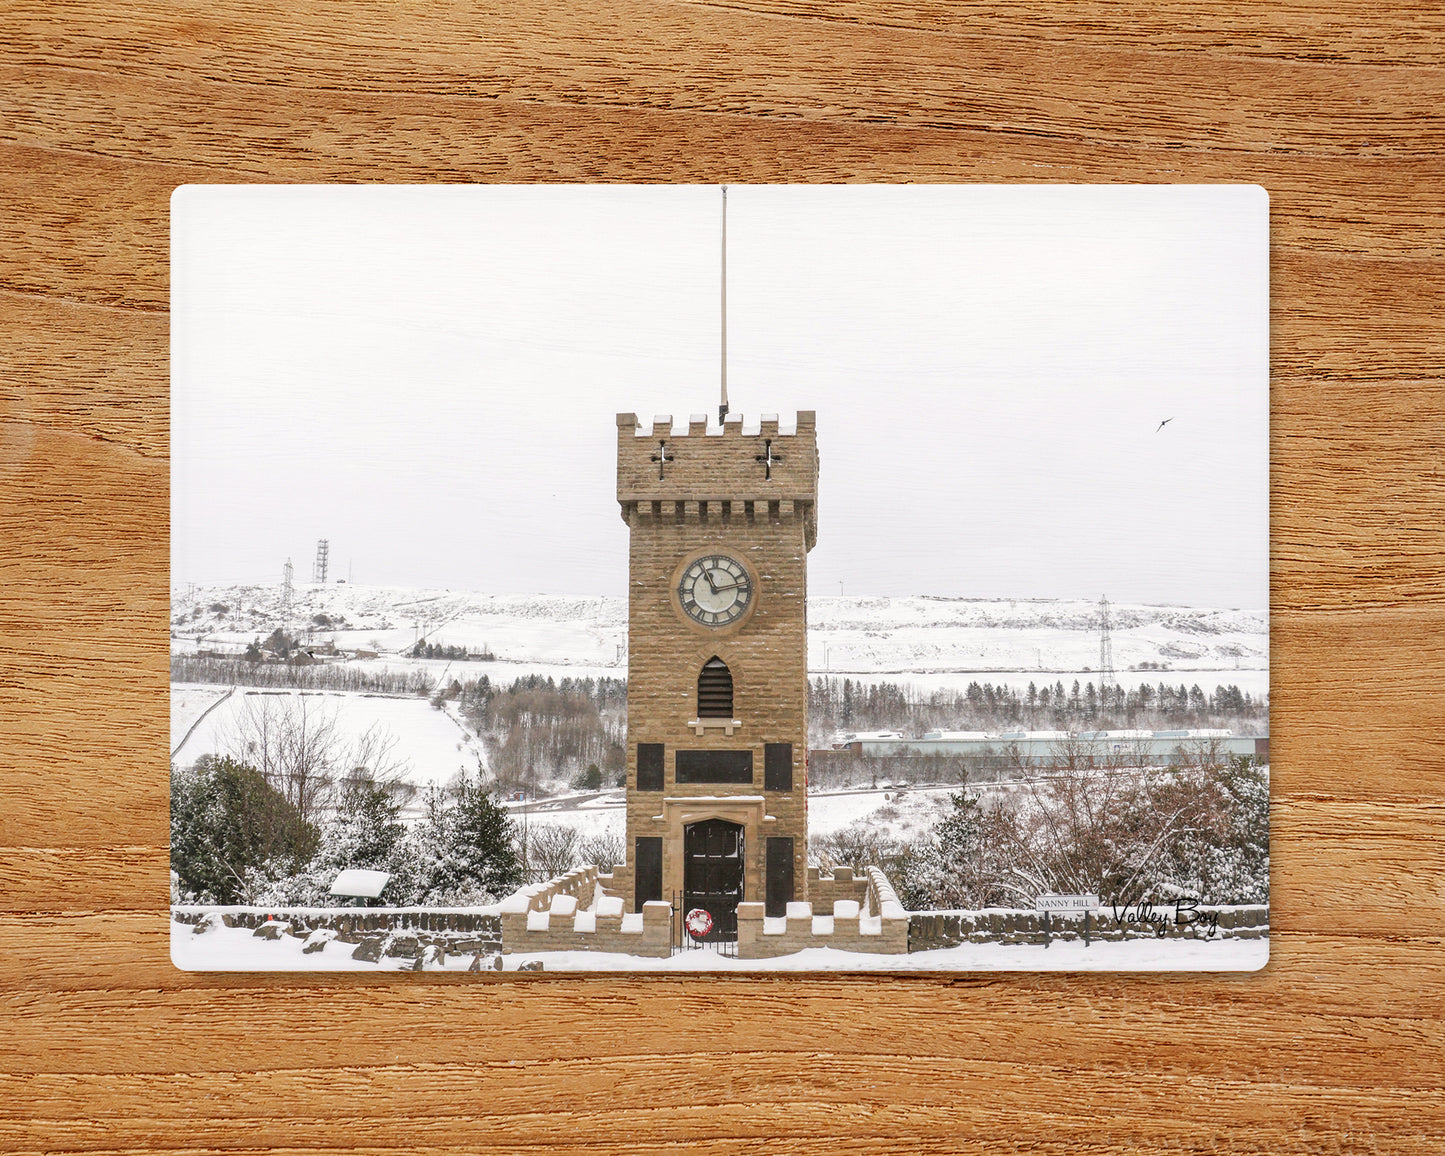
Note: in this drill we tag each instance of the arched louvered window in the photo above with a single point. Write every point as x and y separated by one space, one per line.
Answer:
715 690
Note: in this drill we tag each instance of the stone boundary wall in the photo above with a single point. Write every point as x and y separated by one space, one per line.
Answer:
577 912
453 930
874 923
881 896
934 929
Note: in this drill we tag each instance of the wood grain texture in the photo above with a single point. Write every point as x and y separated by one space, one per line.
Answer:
1334 107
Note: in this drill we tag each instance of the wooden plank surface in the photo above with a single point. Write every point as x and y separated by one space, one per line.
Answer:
1334 107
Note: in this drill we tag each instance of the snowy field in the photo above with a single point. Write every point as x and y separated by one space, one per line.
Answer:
430 745
532 629
905 814
237 949
435 745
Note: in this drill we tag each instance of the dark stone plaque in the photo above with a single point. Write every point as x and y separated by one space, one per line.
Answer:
714 767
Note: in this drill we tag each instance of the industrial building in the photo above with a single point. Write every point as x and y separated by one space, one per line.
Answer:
1061 748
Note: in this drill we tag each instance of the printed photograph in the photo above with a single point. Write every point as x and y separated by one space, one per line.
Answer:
719 579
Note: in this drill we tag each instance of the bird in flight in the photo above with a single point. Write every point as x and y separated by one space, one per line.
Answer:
1163 423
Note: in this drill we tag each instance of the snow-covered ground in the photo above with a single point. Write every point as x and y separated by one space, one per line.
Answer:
237 949
933 636
928 641
190 702
430 745
435 745
533 629
894 814
593 815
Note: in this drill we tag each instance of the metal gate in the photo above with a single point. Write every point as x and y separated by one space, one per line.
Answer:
684 940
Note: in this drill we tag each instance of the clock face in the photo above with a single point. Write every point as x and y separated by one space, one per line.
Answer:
715 590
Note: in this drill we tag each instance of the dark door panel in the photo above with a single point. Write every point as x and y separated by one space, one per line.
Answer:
647 867
779 887
713 874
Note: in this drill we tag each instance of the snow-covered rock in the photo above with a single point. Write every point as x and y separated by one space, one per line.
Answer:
318 940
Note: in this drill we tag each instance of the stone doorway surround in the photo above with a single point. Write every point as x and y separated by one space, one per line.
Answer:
747 811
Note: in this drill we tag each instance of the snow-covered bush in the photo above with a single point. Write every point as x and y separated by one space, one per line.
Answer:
227 823
465 847
552 849
963 865
462 853
1124 835
860 845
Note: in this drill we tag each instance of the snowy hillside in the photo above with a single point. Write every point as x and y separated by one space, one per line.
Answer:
583 631
922 634
916 635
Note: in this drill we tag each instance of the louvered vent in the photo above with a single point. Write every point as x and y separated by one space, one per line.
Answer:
715 690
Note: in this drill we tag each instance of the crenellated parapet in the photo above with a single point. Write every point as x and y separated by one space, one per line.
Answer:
874 923
577 912
719 475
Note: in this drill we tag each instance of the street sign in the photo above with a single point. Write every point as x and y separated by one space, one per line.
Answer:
1066 903
1048 904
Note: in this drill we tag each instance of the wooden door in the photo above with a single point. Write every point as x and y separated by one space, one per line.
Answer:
713 874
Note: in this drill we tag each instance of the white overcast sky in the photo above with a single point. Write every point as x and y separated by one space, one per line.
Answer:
428 377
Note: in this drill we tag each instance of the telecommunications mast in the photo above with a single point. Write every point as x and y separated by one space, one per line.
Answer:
1106 651
286 573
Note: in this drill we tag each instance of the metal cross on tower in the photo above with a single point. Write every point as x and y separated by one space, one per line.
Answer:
768 458
662 457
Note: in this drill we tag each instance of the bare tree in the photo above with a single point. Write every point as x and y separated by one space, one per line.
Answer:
606 850
298 747
860 844
1205 753
1105 831
553 850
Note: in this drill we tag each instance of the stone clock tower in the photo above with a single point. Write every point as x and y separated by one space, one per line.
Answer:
717 685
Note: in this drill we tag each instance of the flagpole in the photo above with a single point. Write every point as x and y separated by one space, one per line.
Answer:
722 410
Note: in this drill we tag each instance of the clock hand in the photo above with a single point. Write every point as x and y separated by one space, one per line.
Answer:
708 575
734 586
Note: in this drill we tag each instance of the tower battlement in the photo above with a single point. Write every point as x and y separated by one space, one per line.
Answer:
719 474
